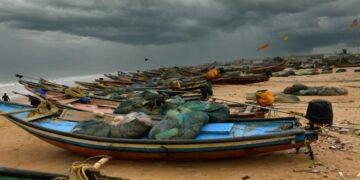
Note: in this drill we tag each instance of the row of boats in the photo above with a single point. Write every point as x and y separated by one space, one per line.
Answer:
246 132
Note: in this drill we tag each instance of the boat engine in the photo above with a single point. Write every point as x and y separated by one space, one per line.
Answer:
319 112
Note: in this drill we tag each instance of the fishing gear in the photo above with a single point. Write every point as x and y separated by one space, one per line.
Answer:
262 107
319 112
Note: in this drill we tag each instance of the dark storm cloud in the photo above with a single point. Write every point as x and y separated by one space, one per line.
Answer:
326 24
309 23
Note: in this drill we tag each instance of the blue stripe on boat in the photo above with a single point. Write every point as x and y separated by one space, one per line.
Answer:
212 136
217 128
59 125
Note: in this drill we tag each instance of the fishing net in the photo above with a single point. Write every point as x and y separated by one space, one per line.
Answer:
171 103
295 88
129 106
179 124
284 98
310 91
300 90
284 73
332 91
147 101
150 95
133 125
217 112
307 72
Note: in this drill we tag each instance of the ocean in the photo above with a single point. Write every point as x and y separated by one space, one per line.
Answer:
10 86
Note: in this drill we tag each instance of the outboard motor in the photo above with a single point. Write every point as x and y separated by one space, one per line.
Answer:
319 112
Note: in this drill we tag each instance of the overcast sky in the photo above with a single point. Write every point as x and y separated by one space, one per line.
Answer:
109 35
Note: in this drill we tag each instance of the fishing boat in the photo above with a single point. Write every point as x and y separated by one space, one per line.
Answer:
247 79
60 99
259 69
215 141
346 65
93 86
271 68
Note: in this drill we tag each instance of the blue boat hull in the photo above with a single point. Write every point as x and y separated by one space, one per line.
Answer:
215 147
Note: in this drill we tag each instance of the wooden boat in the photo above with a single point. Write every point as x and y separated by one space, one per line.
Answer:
247 79
113 82
346 65
21 174
272 68
216 141
108 106
259 69
60 99
95 86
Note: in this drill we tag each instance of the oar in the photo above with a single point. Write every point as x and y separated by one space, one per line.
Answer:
267 108
14 112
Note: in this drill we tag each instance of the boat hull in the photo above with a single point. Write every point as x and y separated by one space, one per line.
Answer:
242 80
169 150
346 65
175 156
273 68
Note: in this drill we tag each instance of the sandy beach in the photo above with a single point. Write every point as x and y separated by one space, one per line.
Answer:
19 149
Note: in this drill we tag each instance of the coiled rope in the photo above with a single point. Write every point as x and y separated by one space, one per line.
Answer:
82 170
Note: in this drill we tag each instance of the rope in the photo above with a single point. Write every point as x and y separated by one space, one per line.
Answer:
81 170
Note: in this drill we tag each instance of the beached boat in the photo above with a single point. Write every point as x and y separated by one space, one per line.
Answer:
96 85
346 65
271 68
60 99
259 69
215 141
107 106
247 79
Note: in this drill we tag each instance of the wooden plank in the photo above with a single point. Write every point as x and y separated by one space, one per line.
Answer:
67 101
74 115
248 109
104 102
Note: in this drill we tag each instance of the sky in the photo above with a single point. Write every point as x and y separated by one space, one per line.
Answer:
71 37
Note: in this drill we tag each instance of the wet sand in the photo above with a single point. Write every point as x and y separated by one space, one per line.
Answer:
19 149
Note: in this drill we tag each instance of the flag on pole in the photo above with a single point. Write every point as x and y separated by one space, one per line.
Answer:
264 46
286 37
354 24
